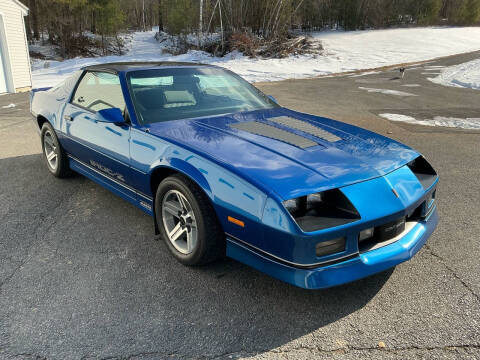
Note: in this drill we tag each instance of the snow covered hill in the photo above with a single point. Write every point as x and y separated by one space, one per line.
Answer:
345 51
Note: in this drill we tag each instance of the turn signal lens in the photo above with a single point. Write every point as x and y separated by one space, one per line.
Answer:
236 221
330 247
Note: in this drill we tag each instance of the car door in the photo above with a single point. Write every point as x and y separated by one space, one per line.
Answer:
101 146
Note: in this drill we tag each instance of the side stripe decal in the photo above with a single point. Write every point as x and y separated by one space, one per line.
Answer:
149 198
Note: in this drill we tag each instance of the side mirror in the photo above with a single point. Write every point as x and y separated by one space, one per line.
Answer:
273 99
112 115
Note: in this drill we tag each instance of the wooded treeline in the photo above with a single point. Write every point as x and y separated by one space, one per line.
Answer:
76 26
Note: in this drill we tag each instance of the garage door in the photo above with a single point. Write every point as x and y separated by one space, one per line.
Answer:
3 80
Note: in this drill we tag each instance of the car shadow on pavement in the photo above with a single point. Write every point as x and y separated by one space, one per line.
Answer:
84 275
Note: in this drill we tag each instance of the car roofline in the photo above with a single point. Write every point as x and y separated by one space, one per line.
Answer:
117 67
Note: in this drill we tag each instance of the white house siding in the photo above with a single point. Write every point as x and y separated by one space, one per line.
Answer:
13 19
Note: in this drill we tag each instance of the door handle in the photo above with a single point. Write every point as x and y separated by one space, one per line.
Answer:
68 117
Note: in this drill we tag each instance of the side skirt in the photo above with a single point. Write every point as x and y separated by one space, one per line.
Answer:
141 201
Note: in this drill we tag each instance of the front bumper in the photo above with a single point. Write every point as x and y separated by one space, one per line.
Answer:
360 266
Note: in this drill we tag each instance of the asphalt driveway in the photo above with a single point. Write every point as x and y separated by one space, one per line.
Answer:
82 276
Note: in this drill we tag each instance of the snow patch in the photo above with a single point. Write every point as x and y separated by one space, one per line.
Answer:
411 85
451 122
399 117
8 106
434 67
466 75
387 91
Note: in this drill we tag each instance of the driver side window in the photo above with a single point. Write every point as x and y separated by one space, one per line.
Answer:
98 91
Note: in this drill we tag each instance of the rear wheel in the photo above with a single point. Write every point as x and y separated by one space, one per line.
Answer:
53 153
187 222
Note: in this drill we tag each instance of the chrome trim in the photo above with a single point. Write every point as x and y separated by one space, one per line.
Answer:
112 179
144 196
290 263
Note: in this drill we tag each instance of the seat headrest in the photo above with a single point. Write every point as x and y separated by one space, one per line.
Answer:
151 98
189 83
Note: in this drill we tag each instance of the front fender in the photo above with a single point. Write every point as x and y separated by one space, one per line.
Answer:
185 168
230 195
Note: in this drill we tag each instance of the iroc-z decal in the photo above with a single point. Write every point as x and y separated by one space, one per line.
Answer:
107 171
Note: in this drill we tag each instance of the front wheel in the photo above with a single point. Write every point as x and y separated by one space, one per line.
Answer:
187 222
53 153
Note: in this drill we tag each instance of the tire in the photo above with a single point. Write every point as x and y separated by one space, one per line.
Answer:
197 221
53 153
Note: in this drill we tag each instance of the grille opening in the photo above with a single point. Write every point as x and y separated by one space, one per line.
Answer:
425 208
423 171
383 233
417 214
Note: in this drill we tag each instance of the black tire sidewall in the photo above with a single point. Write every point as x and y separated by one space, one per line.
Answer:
174 183
63 168
47 127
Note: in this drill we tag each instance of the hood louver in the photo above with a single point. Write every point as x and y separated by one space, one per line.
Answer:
259 128
289 137
305 127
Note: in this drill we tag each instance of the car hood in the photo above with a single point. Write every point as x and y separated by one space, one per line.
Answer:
288 152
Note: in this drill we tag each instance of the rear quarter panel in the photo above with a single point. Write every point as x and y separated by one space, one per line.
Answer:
49 102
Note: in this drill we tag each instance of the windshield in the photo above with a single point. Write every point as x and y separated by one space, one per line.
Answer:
181 93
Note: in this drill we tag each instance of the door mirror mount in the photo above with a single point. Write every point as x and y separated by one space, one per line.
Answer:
111 115
272 98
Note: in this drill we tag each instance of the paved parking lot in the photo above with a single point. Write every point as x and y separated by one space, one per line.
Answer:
81 275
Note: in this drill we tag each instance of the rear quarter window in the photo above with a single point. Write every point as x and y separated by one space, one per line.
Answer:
99 90
66 87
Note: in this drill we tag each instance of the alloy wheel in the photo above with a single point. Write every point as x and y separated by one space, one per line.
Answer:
50 149
179 222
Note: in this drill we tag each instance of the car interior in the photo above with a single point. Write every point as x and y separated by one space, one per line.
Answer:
182 97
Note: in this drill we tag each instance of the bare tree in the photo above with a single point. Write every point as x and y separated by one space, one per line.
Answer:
200 23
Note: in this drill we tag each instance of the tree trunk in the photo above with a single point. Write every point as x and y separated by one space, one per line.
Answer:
34 15
221 22
93 28
143 15
200 24
28 25
160 15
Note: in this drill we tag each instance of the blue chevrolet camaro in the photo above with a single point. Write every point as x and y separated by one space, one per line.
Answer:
224 170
